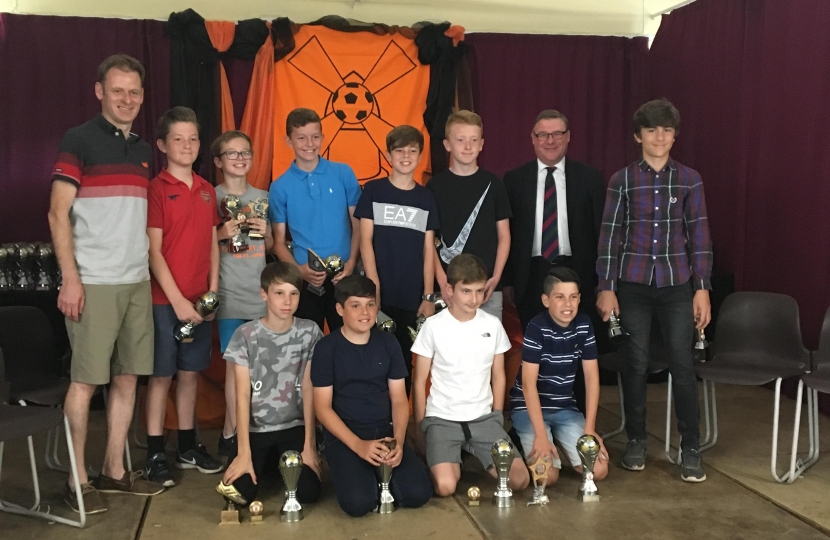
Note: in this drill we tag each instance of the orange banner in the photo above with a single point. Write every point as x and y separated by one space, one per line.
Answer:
362 85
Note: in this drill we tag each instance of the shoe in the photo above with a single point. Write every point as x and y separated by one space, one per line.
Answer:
132 483
93 502
158 471
227 445
635 455
230 492
198 458
692 466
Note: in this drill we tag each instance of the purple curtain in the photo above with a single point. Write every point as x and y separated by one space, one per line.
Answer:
597 82
49 69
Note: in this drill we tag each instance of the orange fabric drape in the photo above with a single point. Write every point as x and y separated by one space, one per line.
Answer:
259 113
221 37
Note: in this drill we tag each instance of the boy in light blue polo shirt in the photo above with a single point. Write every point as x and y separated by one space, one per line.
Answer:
314 200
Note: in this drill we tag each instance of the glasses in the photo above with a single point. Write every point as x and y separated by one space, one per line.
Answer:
233 154
556 135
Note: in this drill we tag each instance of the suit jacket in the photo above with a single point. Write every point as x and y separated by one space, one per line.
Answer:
585 194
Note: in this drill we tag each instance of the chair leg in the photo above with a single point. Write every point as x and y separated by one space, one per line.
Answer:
621 428
711 411
797 467
669 455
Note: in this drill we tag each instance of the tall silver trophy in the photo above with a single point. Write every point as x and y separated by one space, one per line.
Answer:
539 472
291 465
503 454
232 209
386 505
588 449
615 330
205 305
331 265
385 323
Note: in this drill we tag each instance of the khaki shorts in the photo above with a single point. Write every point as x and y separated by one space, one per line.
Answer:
114 335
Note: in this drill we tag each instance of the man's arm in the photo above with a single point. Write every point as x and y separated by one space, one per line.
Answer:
242 462
185 311
71 296
372 451
309 453
283 254
497 382
348 267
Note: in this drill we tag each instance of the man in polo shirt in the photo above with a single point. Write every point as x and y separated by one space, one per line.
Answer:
98 217
315 200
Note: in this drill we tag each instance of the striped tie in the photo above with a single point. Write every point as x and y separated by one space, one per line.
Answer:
550 225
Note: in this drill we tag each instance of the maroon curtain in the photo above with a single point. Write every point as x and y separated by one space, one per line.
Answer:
752 82
49 68
597 82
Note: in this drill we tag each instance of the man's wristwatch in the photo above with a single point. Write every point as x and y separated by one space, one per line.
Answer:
431 297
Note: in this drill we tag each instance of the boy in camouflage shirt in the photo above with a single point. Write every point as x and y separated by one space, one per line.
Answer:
274 408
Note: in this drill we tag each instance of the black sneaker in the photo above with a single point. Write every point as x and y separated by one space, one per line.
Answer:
692 466
635 455
157 470
227 445
198 458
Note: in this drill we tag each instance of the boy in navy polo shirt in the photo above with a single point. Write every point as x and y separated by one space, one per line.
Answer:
314 200
398 219
544 409
359 397
184 260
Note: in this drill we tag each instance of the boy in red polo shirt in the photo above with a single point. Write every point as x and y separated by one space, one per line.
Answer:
184 260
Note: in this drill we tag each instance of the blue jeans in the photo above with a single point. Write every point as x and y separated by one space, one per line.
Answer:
564 427
673 306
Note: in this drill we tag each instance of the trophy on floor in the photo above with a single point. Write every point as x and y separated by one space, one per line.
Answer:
385 323
232 209
256 209
291 465
387 501
331 265
256 509
615 331
588 449
473 496
204 306
539 472
503 454
230 514
5 261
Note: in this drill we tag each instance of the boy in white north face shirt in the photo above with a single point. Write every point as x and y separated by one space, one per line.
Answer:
463 348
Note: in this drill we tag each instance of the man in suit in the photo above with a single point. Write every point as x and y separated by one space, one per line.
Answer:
557 208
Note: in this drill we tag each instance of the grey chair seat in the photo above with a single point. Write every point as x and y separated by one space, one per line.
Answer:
22 422
818 380
740 369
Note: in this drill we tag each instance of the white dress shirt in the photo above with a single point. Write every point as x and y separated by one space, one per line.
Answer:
561 205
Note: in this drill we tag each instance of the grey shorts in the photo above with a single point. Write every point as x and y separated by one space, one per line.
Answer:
446 438
493 306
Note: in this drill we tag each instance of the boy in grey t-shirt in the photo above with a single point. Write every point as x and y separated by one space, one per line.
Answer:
274 409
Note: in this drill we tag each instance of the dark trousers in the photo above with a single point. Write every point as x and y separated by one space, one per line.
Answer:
403 319
319 308
673 306
356 482
264 445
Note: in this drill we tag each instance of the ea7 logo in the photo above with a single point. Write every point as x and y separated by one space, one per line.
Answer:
399 213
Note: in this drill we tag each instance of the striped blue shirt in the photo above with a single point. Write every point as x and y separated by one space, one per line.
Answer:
557 350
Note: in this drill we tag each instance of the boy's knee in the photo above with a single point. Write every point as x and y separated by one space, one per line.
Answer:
600 470
246 487
519 475
308 488
553 476
357 506
445 485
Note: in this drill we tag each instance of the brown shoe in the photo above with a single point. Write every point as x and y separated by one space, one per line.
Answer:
93 502
132 483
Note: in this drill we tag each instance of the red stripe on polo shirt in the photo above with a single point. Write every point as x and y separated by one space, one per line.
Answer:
67 166
118 168
93 192
109 180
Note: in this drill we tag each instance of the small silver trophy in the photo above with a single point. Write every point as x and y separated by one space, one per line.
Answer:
331 265
615 331
539 472
503 454
386 505
5 261
385 323
43 263
440 305
232 209
205 305
588 449
701 343
257 209
24 276
291 465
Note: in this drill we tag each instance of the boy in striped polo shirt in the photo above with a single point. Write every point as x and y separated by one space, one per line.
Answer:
544 409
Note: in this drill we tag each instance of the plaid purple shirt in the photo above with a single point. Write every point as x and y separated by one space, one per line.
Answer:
654 228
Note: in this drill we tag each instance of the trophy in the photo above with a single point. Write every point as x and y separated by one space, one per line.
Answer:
230 514
615 331
503 454
5 260
291 465
539 471
385 323
257 209
24 278
440 305
205 305
331 265
588 449
43 263
232 209
473 496
255 509
701 343
387 501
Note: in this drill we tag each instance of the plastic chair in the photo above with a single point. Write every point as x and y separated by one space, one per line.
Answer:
24 422
759 341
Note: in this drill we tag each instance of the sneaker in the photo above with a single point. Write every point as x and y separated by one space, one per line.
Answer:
132 483
158 471
226 445
198 458
230 492
692 466
635 455
93 502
